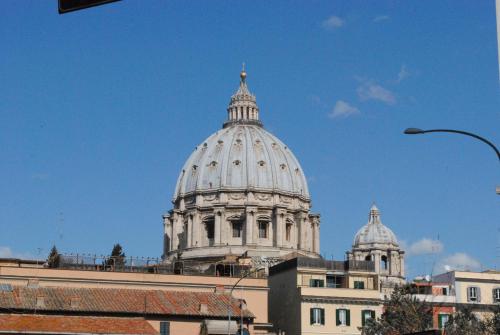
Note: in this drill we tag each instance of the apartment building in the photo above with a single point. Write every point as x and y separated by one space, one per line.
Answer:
317 296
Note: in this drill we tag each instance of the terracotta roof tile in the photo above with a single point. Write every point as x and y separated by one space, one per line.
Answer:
112 300
74 324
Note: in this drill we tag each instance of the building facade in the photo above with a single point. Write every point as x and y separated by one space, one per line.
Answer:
186 304
242 192
317 296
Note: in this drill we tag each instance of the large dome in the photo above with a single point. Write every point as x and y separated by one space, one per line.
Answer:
374 232
241 192
242 157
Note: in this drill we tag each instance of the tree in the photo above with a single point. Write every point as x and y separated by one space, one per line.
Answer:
493 323
464 322
117 258
403 314
54 259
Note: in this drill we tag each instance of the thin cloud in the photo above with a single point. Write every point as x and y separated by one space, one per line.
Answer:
403 73
458 261
6 252
333 22
342 109
381 18
369 90
425 246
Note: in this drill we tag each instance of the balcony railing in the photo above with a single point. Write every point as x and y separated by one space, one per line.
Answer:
351 265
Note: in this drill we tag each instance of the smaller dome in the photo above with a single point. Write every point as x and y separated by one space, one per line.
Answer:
374 232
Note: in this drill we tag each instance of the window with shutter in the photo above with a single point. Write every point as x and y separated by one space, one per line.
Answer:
442 320
337 317
164 328
343 317
317 316
473 294
496 295
366 314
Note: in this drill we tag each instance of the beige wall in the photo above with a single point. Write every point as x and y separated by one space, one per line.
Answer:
254 291
330 326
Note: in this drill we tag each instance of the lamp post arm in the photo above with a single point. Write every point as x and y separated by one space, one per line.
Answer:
231 297
482 139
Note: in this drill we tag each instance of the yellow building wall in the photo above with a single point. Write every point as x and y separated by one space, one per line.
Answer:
330 326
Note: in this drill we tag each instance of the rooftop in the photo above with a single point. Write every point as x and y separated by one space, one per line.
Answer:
110 301
50 324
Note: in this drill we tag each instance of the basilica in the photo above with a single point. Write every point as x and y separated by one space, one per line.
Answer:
242 191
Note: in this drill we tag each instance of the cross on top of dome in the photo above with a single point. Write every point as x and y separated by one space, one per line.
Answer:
243 107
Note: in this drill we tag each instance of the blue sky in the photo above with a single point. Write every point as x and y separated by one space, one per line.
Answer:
100 108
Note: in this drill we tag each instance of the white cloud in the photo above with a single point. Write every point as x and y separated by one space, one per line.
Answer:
458 261
381 18
425 246
403 74
343 109
372 91
333 22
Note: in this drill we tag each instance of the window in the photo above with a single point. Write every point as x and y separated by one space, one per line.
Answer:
262 229
316 283
368 258
343 317
473 294
496 295
366 315
383 263
359 284
442 320
317 316
445 291
164 328
209 227
237 227
288 231
334 281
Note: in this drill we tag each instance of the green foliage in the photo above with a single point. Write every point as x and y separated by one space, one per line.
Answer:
117 258
54 259
464 322
403 314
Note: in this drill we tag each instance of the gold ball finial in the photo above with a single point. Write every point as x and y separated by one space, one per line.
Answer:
243 74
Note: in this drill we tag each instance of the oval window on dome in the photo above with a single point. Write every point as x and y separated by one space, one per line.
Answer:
237 162
261 163
213 163
283 166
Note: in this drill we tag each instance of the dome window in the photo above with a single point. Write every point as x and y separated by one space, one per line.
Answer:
220 141
261 163
213 163
237 162
238 141
195 167
283 166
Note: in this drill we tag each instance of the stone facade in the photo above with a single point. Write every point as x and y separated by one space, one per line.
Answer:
376 242
241 192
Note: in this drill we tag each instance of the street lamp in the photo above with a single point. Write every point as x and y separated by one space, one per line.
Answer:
231 300
416 131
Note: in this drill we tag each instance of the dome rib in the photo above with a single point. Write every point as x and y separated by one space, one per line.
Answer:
217 166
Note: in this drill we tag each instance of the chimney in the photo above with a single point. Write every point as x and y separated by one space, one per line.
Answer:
203 308
220 289
74 302
40 301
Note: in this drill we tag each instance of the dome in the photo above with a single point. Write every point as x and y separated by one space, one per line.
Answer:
374 232
242 157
